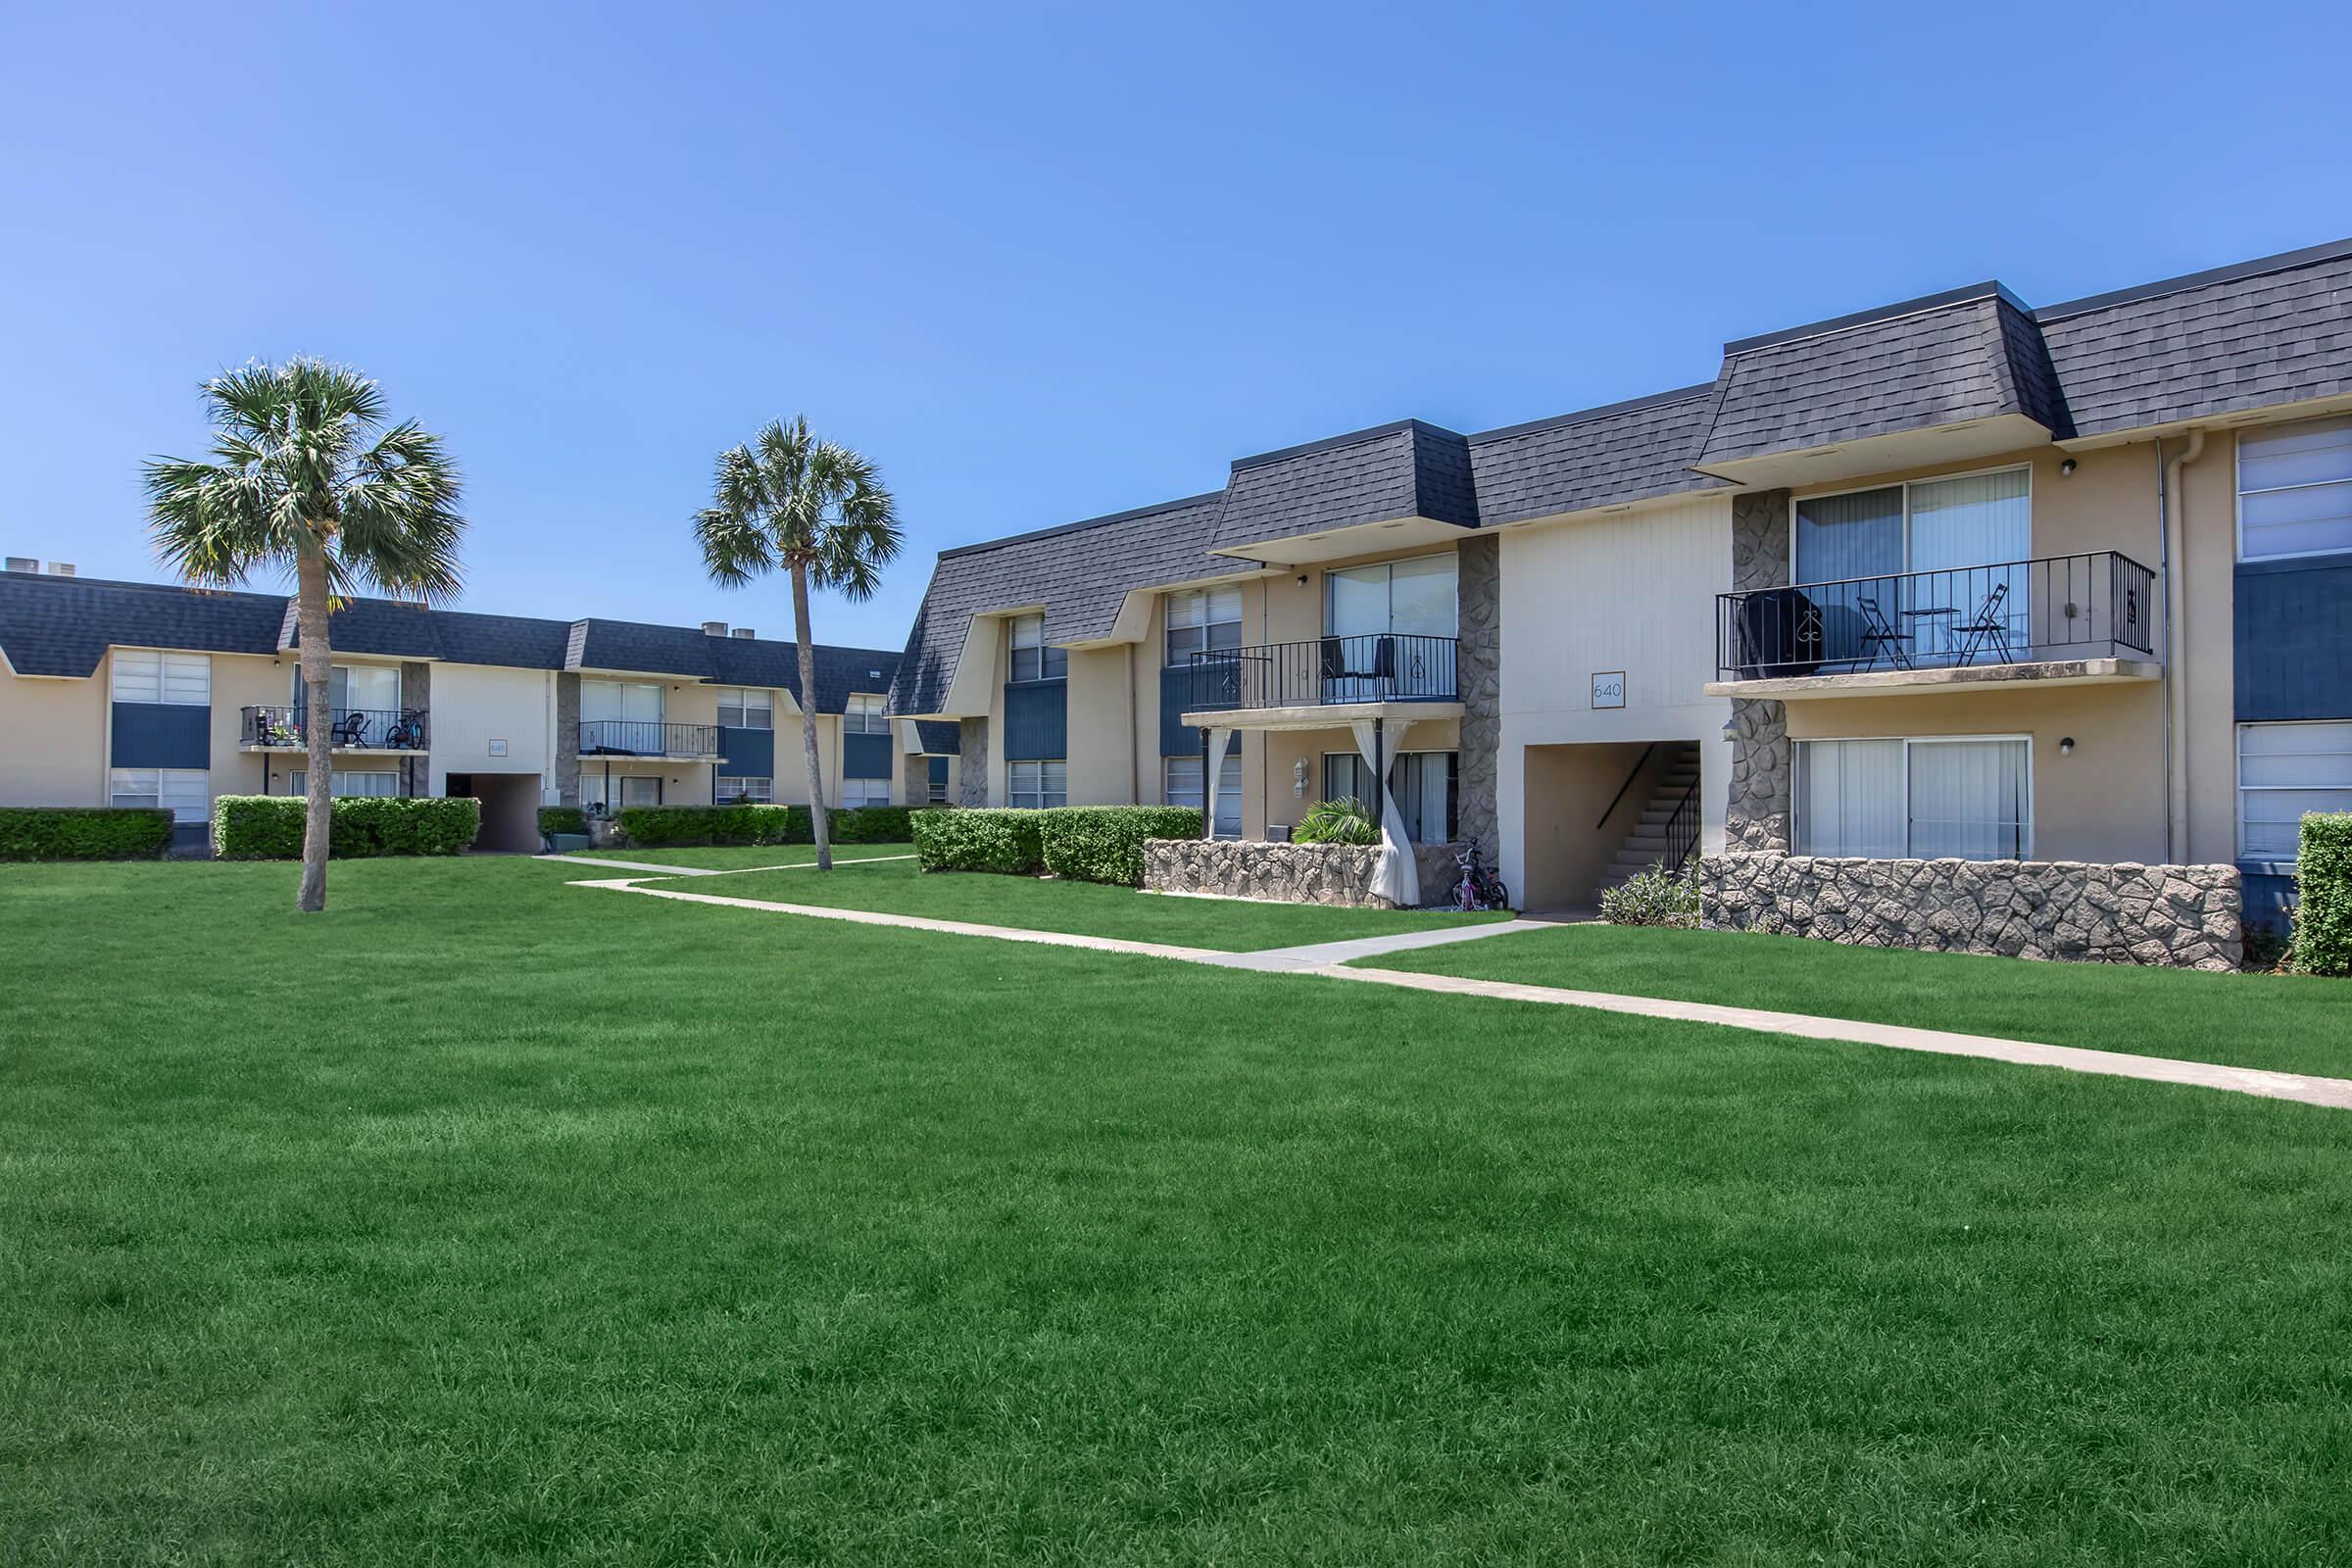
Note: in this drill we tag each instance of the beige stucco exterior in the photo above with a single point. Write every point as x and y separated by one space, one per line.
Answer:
68 765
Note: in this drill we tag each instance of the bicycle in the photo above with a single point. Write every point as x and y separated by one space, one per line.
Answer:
1477 888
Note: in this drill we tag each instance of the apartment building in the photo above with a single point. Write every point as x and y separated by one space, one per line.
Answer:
150 693
1953 577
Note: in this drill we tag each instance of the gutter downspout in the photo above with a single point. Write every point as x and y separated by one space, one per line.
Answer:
2173 503
1135 739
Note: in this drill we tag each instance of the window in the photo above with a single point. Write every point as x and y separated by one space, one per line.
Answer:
863 716
937 790
1867 543
731 789
1032 659
360 688
1033 786
185 792
2294 489
632 789
867 791
747 708
144 675
1411 598
1203 621
346 786
1957 797
1180 785
2285 770
1423 782
629 701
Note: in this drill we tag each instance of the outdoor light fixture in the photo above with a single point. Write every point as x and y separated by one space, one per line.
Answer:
1731 729
2067 467
1298 774
2066 747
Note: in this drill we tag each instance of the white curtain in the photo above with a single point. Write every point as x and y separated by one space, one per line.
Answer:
1959 527
1398 879
1850 799
1211 777
1968 800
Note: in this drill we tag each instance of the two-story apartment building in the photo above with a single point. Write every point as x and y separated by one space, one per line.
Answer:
149 694
1952 578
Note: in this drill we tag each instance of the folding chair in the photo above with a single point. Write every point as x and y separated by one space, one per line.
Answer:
1989 625
1878 632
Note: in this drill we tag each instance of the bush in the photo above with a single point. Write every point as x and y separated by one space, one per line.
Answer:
1105 843
84 832
655 827
1340 821
979 840
554 820
268 827
870 824
1653 897
2323 940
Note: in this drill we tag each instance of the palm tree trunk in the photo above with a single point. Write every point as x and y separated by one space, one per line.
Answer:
317 675
816 779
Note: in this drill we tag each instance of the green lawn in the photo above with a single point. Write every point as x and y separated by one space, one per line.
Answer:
487 1219
741 858
2286 1023
1043 904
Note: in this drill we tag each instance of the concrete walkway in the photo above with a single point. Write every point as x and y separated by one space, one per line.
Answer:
1323 960
709 871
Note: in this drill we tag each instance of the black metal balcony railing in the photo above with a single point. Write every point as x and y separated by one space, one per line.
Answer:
1375 668
646 737
2096 606
356 728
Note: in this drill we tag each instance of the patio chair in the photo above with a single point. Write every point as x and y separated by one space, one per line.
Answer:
351 729
1878 634
1988 626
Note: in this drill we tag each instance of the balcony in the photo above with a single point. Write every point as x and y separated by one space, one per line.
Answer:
350 729
646 737
2064 620
1303 684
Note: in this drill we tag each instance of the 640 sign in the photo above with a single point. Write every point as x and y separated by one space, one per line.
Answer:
1609 688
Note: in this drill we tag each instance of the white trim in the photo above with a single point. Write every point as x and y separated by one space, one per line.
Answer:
1798 498
1796 776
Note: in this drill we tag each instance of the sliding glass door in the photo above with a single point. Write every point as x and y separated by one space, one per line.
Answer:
1928 572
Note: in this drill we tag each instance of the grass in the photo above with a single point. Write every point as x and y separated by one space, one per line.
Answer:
744 857
1086 908
2286 1023
486 1220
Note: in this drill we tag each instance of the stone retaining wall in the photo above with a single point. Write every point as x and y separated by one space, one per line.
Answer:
1291 873
2184 915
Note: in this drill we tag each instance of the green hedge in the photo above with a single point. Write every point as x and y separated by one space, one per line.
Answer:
871 824
1086 842
2323 896
554 820
979 840
84 832
1105 843
268 827
656 827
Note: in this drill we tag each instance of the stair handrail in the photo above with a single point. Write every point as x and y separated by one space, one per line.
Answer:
1618 799
1681 836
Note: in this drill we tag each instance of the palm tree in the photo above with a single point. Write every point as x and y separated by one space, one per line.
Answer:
819 512
304 477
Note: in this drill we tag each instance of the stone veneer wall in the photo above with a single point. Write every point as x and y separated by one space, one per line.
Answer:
2185 915
1478 675
971 766
568 738
1291 873
1756 814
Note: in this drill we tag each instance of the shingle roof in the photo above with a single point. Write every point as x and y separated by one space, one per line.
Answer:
1081 572
399 630
940 738
1405 469
1969 354
2276 330
64 625
1624 452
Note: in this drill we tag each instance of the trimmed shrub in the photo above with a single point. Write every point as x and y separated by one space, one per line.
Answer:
2323 942
268 827
1340 821
870 824
84 832
554 820
655 827
1651 897
1105 843
979 840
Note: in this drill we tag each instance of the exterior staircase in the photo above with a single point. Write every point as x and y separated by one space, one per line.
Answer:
1656 835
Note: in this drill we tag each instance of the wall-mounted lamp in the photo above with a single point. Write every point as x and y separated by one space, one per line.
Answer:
2067 467
2066 747
1303 579
1298 778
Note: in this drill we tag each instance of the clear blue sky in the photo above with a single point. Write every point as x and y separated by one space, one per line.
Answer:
1044 263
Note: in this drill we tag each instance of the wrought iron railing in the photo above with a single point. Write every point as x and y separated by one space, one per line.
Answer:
646 737
1374 668
377 729
2096 606
1681 831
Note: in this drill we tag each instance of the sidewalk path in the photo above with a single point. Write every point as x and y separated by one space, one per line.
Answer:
708 870
1324 960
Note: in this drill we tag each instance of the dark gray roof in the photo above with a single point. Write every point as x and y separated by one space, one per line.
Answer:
64 625
1624 452
940 738
1969 355
1405 469
1081 573
2271 331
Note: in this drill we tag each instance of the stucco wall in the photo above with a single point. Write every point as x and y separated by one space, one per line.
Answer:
473 705
58 729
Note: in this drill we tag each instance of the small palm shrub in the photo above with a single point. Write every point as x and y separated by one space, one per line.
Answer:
1654 897
1340 821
